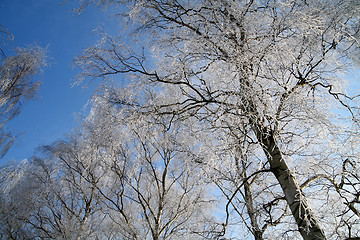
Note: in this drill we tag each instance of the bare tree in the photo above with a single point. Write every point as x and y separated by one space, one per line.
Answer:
12 211
268 72
49 199
17 86
151 191
123 176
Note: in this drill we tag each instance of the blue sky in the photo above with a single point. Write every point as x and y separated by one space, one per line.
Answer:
51 24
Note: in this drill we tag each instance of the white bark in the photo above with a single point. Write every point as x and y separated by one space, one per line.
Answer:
308 225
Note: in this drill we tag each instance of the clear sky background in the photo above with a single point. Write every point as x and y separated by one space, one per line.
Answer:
51 24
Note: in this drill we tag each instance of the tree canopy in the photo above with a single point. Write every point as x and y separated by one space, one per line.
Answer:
221 119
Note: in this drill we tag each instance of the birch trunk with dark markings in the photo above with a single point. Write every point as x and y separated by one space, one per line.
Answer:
307 223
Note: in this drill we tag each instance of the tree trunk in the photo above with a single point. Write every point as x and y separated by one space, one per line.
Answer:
256 231
308 225
249 201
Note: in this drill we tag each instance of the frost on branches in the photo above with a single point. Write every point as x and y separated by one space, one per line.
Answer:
121 176
17 86
264 80
247 100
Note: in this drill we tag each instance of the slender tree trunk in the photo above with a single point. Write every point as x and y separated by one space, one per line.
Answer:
308 225
256 231
249 201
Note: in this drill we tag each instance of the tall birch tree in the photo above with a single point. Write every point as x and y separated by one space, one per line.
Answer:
268 73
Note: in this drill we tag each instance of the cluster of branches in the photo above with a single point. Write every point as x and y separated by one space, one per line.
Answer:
234 122
119 177
129 175
16 83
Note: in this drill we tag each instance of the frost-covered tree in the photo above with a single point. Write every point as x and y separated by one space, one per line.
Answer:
151 191
17 86
46 198
266 80
12 198
122 176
